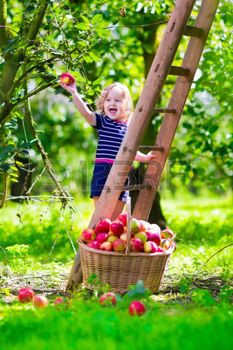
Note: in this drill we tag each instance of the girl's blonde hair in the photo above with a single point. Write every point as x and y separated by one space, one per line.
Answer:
127 97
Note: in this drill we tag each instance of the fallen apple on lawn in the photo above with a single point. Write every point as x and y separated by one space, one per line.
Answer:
103 226
116 228
25 295
58 300
101 237
67 78
118 245
40 301
150 247
106 246
108 299
136 308
136 245
88 235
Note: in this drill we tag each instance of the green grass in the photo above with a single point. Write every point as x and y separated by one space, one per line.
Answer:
193 309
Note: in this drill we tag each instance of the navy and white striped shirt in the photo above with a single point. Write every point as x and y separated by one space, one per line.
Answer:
110 136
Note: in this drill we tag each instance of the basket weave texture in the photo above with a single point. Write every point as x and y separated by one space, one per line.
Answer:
120 270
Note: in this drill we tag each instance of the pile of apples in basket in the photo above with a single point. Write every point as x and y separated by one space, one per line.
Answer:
144 237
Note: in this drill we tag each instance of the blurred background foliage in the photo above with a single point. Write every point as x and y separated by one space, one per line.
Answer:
101 42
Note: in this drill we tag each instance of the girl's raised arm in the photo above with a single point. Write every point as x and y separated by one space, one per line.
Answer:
80 104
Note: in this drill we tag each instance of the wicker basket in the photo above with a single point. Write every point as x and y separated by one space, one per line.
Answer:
120 270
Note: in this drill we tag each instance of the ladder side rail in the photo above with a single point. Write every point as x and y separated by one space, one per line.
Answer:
170 121
143 111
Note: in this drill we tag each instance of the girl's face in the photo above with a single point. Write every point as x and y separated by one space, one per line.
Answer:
115 104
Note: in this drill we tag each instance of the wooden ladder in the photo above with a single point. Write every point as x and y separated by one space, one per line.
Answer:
160 69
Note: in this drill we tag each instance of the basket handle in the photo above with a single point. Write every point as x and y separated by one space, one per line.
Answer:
128 211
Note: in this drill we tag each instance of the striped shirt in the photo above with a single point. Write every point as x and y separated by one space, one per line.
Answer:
110 136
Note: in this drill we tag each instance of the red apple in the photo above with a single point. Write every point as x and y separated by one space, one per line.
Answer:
108 299
40 301
117 228
103 226
94 244
118 245
136 308
154 237
160 250
58 300
123 218
67 78
88 235
135 225
112 238
25 295
136 245
106 246
101 237
141 235
150 247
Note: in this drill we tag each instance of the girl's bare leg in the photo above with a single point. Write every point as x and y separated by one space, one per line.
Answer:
118 209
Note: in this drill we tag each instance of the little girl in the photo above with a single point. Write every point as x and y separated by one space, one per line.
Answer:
114 108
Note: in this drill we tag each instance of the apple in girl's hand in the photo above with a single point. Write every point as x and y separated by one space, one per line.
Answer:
136 308
101 237
135 225
106 246
123 218
25 295
150 247
112 238
116 228
58 300
67 78
154 237
141 235
88 235
136 245
108 299
118 245
94 244
40 301
103 226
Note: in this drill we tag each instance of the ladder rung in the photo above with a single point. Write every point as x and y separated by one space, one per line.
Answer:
137 187
152 148
165 110
175 70
193 31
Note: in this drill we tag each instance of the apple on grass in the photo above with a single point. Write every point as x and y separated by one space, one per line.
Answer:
25 295
67 78
103 226
136 308
40 301
108 299
58 300
117 228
